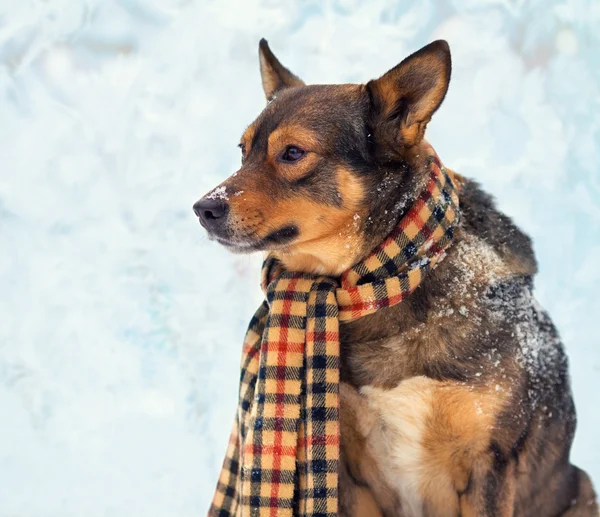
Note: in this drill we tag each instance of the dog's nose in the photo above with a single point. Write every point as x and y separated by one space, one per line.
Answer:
211 212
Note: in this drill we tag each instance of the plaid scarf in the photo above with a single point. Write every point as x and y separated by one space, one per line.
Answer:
283 454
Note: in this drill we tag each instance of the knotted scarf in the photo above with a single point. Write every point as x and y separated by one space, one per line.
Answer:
283 453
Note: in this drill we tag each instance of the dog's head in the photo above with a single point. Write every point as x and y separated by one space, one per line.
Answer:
327 170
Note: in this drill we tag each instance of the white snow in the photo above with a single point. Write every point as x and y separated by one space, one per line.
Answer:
121 324
220 193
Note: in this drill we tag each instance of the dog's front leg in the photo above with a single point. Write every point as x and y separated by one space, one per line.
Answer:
355 499
363 490
491 488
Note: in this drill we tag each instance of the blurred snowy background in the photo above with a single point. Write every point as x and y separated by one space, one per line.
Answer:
121 325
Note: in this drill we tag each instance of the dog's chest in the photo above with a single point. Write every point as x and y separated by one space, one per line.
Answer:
414 444
396 440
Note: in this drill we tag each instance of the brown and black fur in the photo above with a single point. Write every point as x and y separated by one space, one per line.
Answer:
457 401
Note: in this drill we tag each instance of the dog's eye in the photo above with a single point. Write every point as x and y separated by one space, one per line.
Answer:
292 154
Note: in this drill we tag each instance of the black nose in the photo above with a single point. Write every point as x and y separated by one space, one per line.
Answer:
211 212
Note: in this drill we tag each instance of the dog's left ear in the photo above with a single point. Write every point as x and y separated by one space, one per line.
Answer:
274 75
404 99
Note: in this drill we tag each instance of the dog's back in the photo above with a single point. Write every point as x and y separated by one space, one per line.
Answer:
541 413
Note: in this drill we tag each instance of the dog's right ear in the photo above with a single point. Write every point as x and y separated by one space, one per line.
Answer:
275 76
404 99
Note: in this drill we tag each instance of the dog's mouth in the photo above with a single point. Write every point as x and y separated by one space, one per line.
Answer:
275 240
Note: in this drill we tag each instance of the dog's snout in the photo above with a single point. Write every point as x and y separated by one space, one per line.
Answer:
211 212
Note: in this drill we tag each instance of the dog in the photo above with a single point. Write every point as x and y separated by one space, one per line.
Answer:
457 401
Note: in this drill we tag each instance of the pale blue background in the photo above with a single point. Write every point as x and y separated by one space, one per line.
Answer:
120 324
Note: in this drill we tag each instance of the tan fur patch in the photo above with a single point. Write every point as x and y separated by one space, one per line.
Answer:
270 80
357 421
426 437
247 137
458 433
273 74
330 239
422 79
396 443
285 136
364 504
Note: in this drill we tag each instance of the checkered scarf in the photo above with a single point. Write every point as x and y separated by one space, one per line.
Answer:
283 453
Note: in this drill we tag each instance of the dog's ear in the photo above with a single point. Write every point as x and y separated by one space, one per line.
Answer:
274 75
404 99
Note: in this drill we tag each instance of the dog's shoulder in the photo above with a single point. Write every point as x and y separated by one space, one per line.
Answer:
455 308
482 219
